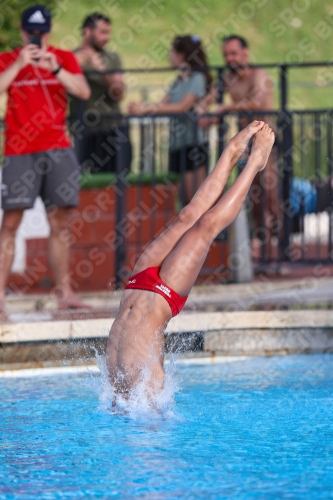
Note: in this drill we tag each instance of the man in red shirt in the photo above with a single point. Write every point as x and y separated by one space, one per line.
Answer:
38 158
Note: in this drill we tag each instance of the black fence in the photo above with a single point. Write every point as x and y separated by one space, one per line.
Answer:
289 211
289 207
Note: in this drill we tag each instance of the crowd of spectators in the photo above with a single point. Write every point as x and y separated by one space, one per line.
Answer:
39 160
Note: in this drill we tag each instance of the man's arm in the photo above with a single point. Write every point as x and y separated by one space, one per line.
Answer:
114 82
25 57
116 85
7 76
74 83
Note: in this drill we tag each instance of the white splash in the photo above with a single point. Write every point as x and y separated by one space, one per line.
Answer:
140 403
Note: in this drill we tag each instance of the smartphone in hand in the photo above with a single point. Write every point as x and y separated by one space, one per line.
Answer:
36 40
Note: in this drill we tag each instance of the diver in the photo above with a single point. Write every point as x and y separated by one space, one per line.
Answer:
167 270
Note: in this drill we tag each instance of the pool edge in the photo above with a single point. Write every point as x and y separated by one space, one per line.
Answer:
93 368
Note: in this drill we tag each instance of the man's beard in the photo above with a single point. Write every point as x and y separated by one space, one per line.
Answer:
95 45
233 68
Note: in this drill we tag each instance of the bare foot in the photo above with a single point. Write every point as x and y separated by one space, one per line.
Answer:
262 146
72 302
239 143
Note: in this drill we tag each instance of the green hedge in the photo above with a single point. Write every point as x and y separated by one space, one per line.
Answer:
92 181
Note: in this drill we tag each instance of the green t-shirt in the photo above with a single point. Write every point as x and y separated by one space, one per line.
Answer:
184 132
100 100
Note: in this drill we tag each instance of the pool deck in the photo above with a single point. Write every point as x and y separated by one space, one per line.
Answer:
295 317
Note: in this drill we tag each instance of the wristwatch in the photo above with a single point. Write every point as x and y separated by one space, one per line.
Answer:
56 71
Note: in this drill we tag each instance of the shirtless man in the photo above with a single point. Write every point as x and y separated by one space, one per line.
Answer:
250 90
170 266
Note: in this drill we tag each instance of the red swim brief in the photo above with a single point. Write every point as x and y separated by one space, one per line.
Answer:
150 280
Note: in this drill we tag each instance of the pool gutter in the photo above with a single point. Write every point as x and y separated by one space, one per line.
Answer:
202 334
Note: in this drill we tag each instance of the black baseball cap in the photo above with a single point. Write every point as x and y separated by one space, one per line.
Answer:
36 17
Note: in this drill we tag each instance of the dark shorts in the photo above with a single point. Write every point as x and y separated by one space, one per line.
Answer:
53 175
188 158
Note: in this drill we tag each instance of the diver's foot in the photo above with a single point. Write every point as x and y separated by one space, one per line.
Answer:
262 146
239 142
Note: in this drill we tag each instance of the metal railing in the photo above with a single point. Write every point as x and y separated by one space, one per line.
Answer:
299 237
301 232
283 75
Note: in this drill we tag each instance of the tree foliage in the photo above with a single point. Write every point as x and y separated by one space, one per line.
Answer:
10 18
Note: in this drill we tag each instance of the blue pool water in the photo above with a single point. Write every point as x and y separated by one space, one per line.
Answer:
257 428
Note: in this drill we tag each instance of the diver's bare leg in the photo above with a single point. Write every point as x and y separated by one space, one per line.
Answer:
181 268
205 198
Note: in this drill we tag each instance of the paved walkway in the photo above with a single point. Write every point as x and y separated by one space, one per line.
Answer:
308 292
